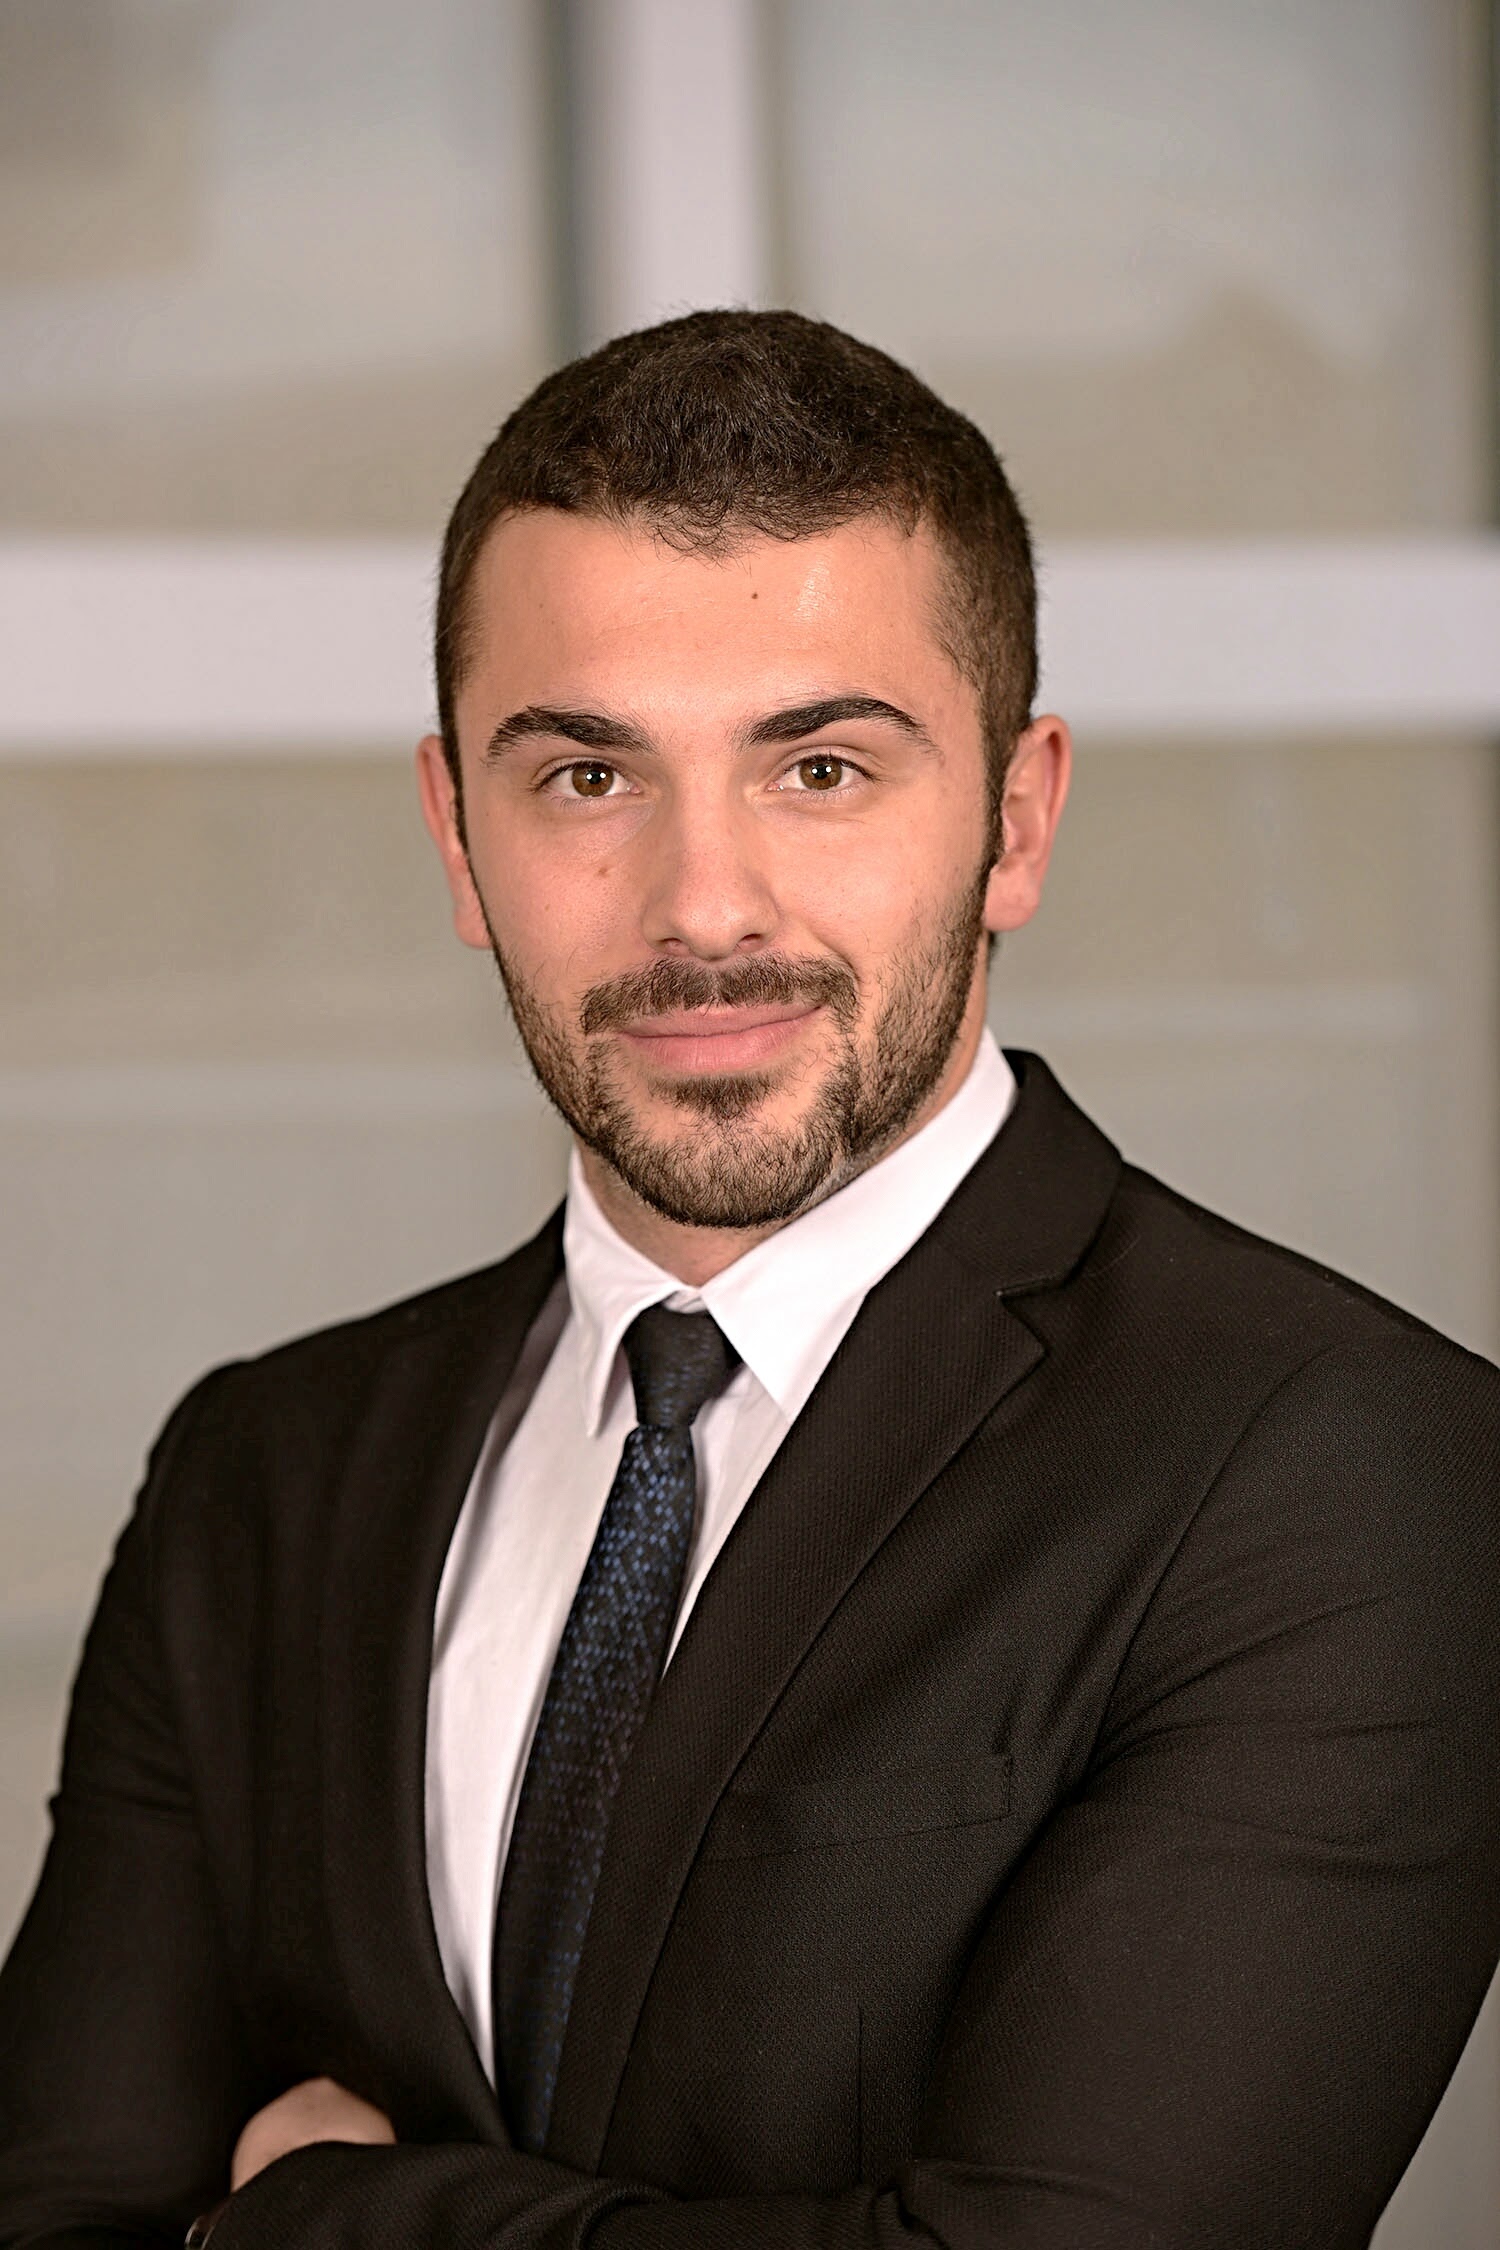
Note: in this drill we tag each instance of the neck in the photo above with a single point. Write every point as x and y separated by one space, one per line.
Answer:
696 1254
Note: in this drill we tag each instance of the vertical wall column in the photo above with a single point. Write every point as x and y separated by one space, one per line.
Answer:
664 160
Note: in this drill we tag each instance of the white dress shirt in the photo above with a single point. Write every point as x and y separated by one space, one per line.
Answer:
543 1476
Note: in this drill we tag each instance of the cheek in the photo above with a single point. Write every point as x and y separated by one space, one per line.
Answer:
872 893
556 916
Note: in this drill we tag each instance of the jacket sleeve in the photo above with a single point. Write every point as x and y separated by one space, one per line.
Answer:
122 2074
1218 2003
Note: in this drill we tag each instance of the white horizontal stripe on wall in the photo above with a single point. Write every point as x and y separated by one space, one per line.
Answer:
120 648
1274 637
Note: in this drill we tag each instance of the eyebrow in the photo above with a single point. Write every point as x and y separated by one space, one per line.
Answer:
595 730
591 730
799 719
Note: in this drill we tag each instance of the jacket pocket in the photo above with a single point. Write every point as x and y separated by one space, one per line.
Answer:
899 1801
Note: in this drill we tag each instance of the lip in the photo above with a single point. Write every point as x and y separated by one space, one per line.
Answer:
717 1038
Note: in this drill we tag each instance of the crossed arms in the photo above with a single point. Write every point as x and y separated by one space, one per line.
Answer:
1211 2009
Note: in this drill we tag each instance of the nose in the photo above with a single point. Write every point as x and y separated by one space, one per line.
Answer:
708 891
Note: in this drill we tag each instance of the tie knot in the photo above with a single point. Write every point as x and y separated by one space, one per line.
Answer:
678 1362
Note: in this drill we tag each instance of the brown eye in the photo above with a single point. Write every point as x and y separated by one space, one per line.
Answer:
591 779
821 772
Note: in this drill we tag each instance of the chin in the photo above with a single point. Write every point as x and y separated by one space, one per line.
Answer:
723 1096
775 1097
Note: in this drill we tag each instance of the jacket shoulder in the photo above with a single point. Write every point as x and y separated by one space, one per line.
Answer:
1213 1279
339 1365
461 1301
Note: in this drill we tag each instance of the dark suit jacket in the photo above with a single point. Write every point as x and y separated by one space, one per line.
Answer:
1071 1818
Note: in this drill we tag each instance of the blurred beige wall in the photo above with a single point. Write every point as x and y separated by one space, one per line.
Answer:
264 264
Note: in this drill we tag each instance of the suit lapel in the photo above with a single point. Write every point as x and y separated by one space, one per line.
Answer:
933 1352
431 1401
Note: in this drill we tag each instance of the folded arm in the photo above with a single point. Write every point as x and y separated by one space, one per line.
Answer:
123 2069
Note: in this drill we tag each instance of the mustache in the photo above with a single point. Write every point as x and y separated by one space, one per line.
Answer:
767 980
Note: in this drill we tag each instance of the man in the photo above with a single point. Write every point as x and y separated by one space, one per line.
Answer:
886 1679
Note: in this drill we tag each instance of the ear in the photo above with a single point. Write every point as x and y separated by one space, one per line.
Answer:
1036 788
440 811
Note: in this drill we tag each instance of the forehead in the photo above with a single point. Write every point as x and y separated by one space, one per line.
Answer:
563 602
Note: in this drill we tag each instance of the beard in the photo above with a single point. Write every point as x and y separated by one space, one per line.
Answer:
728 1169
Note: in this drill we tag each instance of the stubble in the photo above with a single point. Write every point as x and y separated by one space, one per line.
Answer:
729 1169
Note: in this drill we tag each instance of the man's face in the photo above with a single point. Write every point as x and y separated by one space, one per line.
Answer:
727 833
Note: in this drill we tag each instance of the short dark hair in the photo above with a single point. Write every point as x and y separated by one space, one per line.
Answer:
727 424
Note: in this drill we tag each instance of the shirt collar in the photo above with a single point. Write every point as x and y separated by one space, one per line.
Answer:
786 1304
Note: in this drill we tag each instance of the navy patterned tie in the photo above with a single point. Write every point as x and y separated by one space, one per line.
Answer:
608 1662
